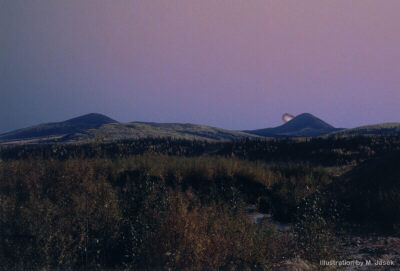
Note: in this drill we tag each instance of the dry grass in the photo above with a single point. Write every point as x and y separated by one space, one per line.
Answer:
151 212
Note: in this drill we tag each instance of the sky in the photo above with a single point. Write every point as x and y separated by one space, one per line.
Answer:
231 64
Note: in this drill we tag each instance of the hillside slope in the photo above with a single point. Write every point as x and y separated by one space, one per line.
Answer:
136 130
370 193
375 129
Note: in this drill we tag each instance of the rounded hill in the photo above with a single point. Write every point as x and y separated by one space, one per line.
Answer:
304 125
58 129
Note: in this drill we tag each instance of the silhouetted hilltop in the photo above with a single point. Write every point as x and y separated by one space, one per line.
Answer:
58 129
92 119
304 125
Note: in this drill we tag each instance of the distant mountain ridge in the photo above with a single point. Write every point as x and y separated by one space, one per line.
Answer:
304 125
57 129
92 127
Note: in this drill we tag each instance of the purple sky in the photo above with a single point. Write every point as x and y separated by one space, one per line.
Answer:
231 64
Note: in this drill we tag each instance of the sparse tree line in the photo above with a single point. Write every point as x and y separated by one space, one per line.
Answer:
324 151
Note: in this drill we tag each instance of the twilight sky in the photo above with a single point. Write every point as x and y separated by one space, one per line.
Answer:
232 64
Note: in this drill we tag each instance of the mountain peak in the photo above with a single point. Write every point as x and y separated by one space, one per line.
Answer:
91 119
303 125
307 120
306 115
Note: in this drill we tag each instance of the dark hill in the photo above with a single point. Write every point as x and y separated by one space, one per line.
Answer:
90 120
58 129
368 195
304 125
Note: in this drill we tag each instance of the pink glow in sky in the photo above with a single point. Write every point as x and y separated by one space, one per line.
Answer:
287 117
231 64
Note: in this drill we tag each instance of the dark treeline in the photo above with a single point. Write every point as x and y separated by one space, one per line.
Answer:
328 151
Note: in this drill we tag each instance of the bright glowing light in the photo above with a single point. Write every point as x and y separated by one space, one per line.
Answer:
287 117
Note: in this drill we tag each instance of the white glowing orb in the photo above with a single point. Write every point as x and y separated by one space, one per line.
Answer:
287 117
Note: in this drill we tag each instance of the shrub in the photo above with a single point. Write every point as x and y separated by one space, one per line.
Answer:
316 229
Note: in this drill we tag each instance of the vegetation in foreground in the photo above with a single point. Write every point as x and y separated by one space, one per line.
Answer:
164 207
145 211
